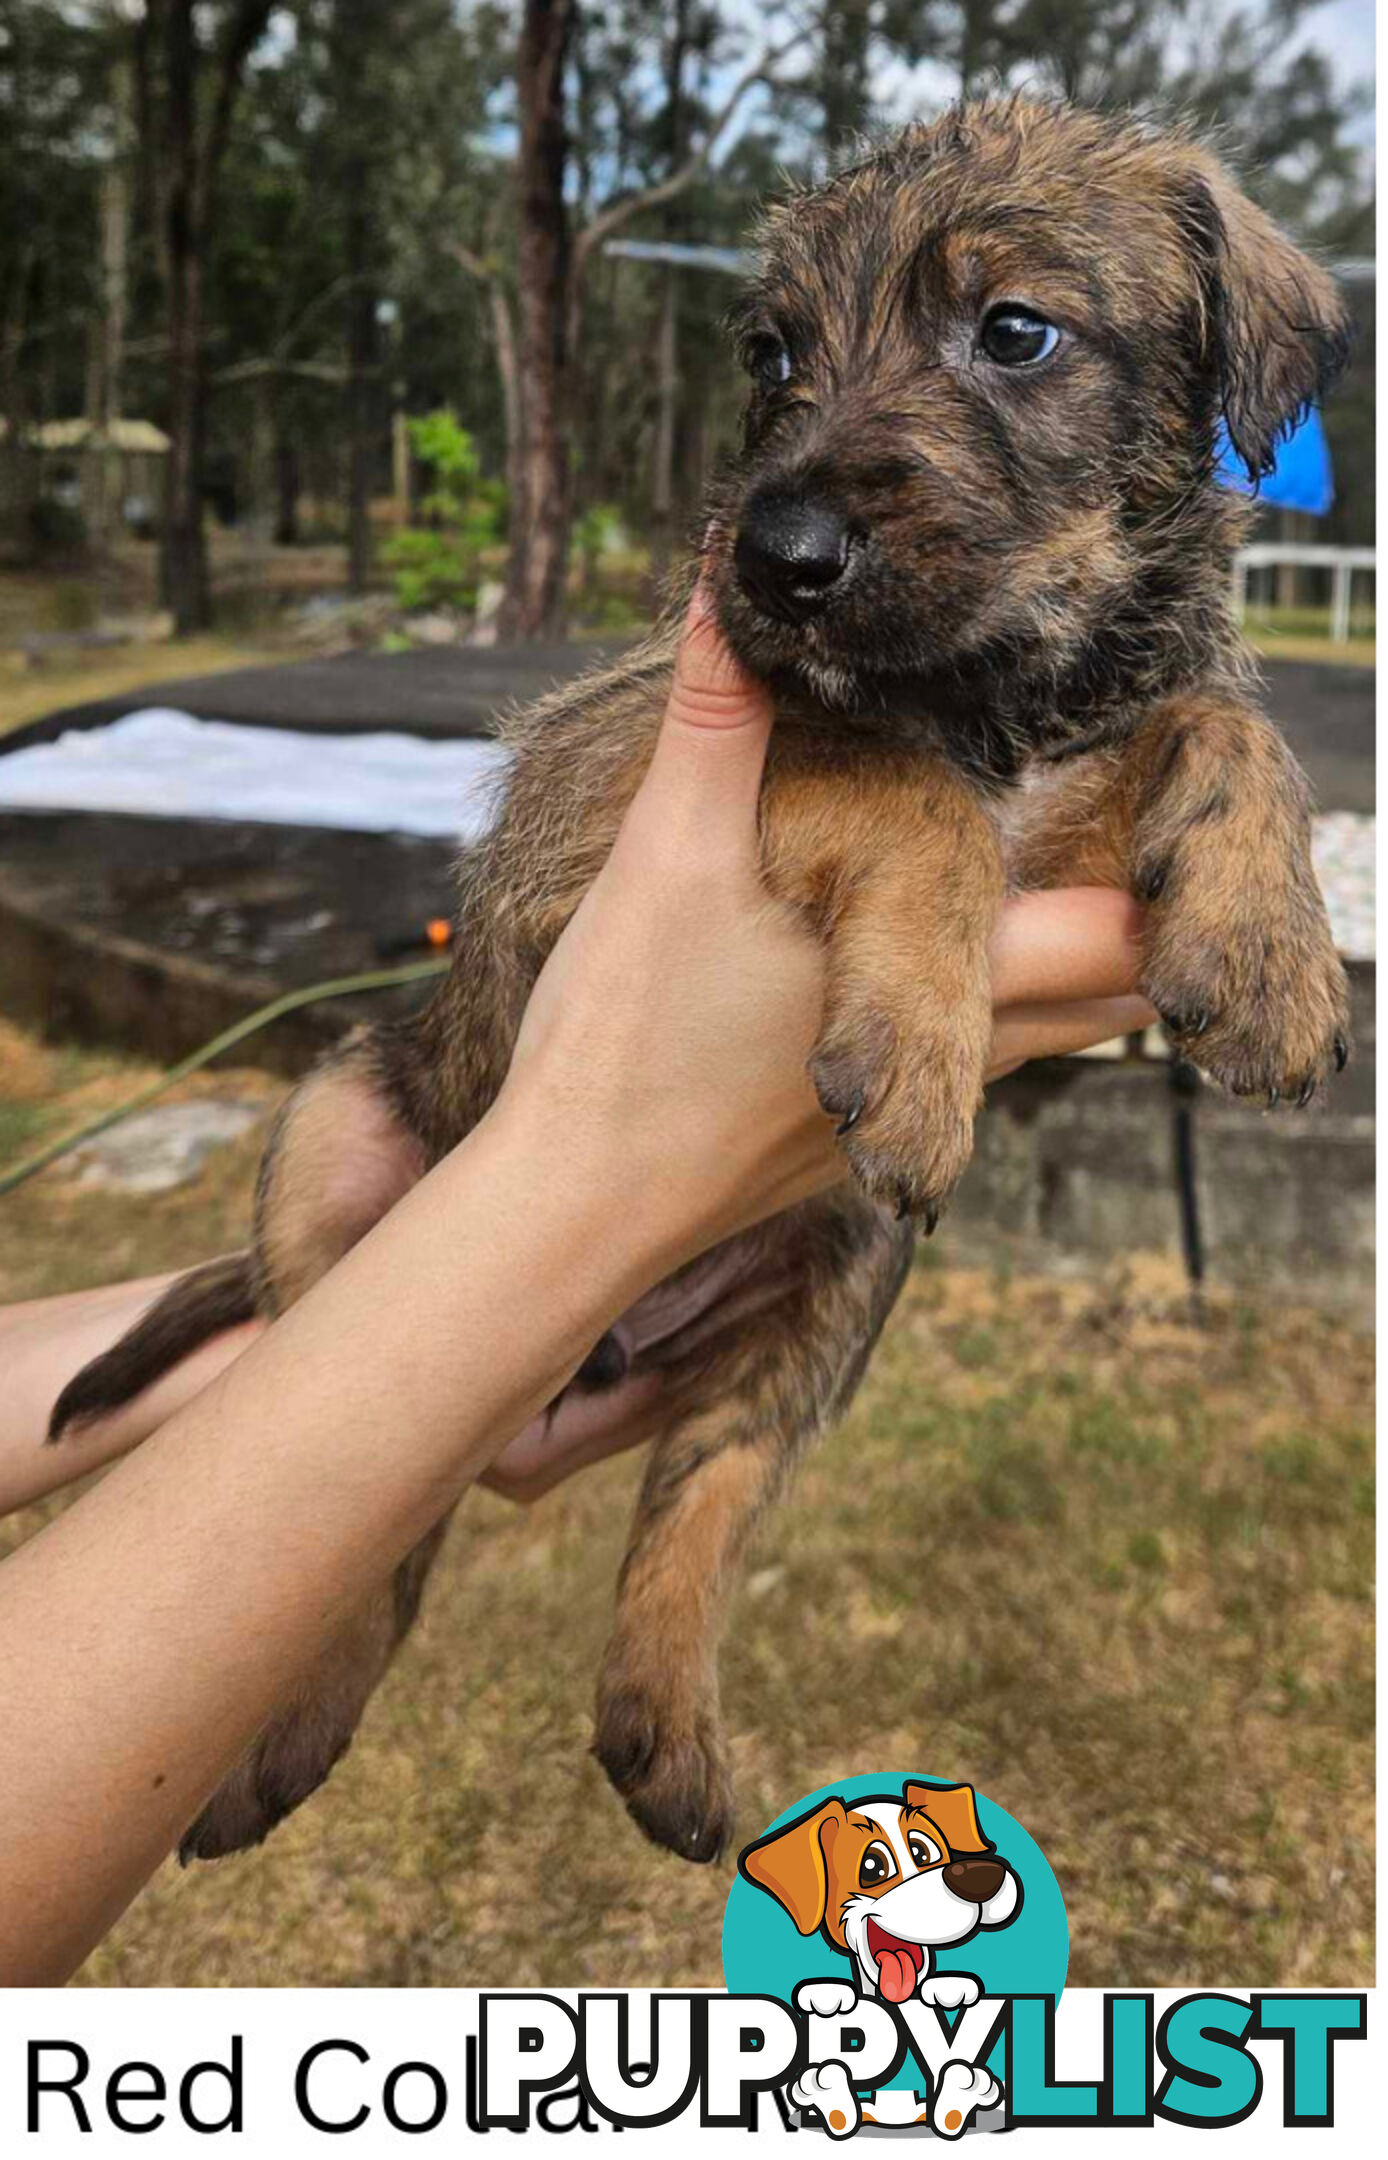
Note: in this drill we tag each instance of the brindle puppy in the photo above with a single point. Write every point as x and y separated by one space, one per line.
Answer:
975 542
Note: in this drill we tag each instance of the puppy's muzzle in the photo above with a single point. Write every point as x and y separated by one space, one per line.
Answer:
792 551
976 1880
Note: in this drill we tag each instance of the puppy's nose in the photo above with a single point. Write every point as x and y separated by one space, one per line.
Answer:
791 551
976 1880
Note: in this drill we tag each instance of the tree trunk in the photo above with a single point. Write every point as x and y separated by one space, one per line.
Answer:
108 324
533 605
844 76
354 31
512 402
183 550
184 556
187 140
667 340
361 353
667 382
286 492
18 461
113 212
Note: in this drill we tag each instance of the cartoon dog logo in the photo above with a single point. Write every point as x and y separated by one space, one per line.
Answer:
887 1881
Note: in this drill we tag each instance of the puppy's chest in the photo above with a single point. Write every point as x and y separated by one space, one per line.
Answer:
1055 824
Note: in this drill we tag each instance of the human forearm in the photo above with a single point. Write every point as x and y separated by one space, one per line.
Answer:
209 1569
1063 966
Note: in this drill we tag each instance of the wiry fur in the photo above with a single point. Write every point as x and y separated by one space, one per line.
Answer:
1029 673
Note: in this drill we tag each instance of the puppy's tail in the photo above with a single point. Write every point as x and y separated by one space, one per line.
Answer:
192 1310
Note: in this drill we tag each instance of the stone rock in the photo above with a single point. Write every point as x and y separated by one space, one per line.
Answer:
437 628
162 1147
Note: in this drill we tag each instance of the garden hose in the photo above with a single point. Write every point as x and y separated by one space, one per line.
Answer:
316 993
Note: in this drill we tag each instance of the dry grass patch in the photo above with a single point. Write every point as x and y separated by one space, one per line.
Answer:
1112 1566
58 1235
76 678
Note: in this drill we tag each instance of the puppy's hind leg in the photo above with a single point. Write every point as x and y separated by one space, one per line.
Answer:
765 1388
294 1754
339 1159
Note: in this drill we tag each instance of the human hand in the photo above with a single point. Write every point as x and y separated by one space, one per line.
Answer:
666 1041
668 1034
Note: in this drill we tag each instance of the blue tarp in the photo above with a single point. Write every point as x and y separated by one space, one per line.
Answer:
1302 478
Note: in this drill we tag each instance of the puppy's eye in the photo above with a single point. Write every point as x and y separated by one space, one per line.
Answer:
922 1851
876 1867
1014 337
768 361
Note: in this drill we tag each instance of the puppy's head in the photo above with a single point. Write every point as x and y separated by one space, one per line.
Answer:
987 368
887 1878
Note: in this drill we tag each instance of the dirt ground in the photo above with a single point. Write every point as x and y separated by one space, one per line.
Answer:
1110 1565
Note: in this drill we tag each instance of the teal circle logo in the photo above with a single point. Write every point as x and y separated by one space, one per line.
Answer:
893 1884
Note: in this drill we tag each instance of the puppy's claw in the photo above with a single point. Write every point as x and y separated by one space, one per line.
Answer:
1306 1091
930 1217
851 1115
903 1201
672 1777
1189 1026
1341 1053
626 1742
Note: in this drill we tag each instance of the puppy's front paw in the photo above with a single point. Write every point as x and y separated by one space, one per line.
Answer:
962 2089
1261 1004
667 1763
825 2087
903 1091
950 1991
825 1998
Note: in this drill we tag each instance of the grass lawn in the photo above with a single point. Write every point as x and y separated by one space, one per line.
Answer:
1284 633
27 693
1113 1567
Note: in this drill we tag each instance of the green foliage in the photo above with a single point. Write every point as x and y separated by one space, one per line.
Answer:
447 449
595 534
435 564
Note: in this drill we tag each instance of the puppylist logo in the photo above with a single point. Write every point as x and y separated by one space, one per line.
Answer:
893 1881
916 1931
904 1913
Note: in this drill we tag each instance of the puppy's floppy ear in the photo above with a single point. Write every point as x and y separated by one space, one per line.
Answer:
951 1809
790 1865
1276 332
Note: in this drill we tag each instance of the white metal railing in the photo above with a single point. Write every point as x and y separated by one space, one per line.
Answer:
1341 562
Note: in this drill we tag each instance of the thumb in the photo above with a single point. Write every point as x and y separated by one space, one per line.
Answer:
705 772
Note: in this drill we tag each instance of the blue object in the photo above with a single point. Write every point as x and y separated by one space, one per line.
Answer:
1300 480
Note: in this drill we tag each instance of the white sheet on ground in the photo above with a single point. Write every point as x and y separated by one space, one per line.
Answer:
162 763
165 764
